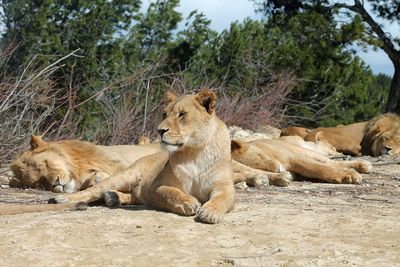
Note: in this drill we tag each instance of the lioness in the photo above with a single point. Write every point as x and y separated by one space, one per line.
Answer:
274 155
381 135
68 166
193 176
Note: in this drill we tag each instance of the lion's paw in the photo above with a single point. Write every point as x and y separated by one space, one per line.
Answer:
283 179
241 186
59 199
352 178
189 207
112 199
261 181
364 166
209 214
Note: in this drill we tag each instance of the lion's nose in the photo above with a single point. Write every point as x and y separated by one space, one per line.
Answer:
386 150
162 131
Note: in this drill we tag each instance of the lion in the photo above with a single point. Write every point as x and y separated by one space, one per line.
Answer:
382 136
346 139
376 137
278 155
68 166
294 130
191 175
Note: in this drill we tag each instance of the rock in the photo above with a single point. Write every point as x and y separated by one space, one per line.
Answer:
237 132
270 131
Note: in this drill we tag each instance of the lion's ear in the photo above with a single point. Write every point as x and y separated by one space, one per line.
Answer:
208 99
37 141
169 97
235 146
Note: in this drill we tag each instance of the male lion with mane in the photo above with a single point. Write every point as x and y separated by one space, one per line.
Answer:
376 137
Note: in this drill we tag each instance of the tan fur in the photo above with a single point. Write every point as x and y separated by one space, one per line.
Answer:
70 165
346 139
381 135
320 147
274 155
194 177
12 209
294 130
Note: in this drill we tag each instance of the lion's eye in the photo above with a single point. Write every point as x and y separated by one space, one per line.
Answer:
164 115
181 114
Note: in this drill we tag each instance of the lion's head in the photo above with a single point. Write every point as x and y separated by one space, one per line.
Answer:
382 136
187 120
45 167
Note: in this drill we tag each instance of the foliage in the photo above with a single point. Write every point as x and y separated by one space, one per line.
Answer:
356 25
121 60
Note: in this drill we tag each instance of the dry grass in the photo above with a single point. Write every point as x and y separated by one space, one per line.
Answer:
122 110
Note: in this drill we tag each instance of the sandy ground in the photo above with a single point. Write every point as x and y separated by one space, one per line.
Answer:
305 224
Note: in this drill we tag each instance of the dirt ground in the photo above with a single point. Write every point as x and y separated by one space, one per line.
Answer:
305 224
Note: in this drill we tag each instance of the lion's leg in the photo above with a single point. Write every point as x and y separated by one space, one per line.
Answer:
362 166
258 159
173 199
325 171
222 200
123 181
259 178
114 198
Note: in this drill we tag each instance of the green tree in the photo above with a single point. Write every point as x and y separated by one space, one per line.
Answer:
361 26
51 28
152 35
330 78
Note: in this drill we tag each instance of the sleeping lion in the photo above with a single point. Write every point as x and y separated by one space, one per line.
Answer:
376 137
278 155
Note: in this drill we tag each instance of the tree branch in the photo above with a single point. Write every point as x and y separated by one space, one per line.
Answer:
388 46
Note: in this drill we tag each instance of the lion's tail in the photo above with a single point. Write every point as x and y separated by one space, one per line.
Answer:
12 209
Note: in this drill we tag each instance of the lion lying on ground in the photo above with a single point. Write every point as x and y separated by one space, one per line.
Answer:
278 155
193 175
376 137
69 165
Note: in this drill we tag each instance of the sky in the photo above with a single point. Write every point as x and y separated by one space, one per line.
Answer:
223 12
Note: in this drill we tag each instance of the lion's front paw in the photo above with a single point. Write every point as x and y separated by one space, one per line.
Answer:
112 199
352 178
282 179
209 214
60 199
189 207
